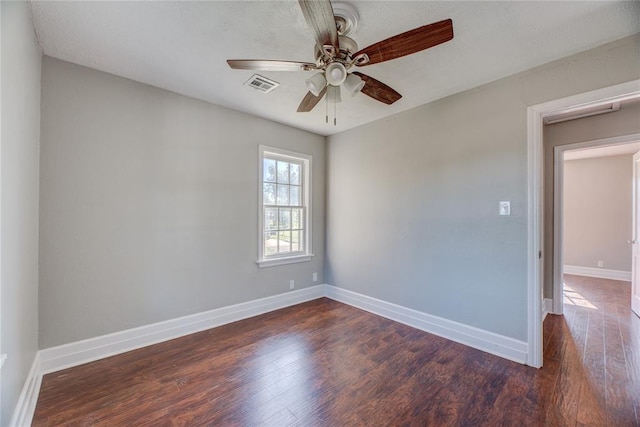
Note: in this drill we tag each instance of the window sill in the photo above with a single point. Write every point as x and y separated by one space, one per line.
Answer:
281 261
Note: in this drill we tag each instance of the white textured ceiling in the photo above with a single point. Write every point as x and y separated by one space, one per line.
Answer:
182 47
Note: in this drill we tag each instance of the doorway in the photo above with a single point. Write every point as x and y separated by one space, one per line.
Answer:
536 235
625 145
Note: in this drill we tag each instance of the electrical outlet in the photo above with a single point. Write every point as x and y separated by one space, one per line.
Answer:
600 264
292 284
315 277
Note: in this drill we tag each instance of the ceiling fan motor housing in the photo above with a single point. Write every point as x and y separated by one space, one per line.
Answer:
347 46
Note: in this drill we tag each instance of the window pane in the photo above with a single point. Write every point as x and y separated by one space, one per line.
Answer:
269 194
283 173
285 241
269 170
295 174
283 195
270 243
296 217
285 219
295 241
271 219
294 198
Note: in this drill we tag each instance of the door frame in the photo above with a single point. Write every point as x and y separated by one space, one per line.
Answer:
535 238
558 206
635 282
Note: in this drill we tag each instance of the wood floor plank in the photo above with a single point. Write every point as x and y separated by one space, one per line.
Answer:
618 383
564 401
630 332
323 363
592 407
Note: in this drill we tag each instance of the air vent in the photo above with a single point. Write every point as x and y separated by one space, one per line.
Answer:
261 83
580 113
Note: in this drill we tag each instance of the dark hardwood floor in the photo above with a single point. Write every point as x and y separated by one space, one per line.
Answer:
601 361
328 364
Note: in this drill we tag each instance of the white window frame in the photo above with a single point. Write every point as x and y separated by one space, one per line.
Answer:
306 161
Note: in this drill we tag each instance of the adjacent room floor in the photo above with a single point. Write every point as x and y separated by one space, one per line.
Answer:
329 364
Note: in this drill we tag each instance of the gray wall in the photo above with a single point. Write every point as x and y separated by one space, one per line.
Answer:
626 121
149 205
413 199
19 200
597 212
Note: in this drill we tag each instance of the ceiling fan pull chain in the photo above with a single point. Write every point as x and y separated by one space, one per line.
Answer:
334 112
326 109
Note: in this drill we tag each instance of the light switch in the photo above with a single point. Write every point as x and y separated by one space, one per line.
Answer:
505 208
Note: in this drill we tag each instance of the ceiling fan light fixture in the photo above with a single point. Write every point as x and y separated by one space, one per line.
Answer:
316 83
336 74
353 84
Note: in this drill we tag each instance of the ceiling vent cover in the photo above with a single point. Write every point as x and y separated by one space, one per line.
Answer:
581 113
261 83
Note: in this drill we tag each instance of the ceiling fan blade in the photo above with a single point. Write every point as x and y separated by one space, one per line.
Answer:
309 101
378 90
412 41
321 21
270 65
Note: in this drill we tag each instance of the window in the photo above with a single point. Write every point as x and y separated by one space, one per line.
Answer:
285 207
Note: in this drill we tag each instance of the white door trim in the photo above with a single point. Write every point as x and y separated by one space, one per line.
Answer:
535 116
635 282
558 203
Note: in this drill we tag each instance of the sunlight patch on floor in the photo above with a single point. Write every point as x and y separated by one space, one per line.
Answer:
572 297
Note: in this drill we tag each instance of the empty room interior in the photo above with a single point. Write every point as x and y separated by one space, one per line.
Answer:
320 213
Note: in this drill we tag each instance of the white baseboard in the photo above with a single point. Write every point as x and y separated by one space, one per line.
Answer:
77 353
80 352
26 406
480 339
601 273
547 307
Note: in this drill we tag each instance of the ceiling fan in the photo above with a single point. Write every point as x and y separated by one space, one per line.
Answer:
336 54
